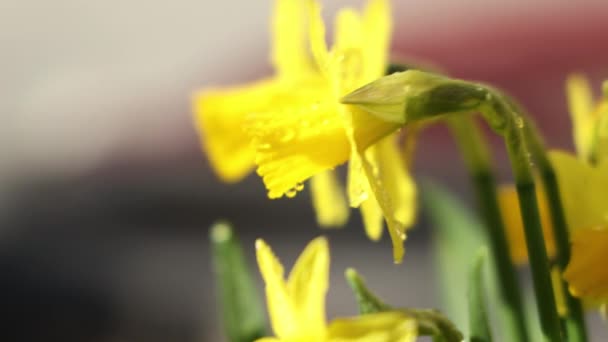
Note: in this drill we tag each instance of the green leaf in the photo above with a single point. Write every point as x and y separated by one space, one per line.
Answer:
478 316
242 312
457 235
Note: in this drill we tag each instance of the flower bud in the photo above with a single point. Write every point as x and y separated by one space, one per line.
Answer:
413 95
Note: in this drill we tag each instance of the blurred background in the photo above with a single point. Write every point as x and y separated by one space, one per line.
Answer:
106 197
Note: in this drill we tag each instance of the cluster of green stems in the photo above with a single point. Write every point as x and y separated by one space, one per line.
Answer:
528 158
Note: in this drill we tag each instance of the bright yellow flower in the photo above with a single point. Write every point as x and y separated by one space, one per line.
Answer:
296 307
583 186
585 199
221 114
308 138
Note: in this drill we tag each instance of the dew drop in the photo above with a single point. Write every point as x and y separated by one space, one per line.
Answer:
299 187
287 135
264 147
291 193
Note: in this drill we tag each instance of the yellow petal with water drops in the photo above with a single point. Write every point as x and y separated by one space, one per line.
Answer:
373 218
283 318
328 199
377 28
307 285
393 189
219 116
580 104
363 130
397 181
295 143
511 214
290 50
391 326
587 274
582 189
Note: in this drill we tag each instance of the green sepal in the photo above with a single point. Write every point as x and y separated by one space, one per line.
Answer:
366 300
430 322
478 315
240 303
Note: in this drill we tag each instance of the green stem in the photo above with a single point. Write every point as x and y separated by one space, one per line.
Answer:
535 242
575 319
473 147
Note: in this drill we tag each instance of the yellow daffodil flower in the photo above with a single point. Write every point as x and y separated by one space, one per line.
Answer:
309 138
296 307
585 199
220 114
583 186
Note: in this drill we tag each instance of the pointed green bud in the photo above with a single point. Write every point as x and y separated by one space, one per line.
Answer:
239 300
367 301
413 95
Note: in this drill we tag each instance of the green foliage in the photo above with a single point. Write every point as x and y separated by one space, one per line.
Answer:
242 313
478 316
457 235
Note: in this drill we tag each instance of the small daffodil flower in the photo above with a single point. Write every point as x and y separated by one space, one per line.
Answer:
309 138
583 185
583 192
296 306
220 114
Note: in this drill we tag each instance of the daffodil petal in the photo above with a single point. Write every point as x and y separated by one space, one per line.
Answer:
373 218
587 274
268 339
318 45
389 326
582 189
307 285
511 214
290 53
397 181
600 143
329 200
283 317
377 29
376 164
296 143
219 116
580 103
348 30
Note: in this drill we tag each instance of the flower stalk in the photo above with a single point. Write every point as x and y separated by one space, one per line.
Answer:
473 148
575 320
